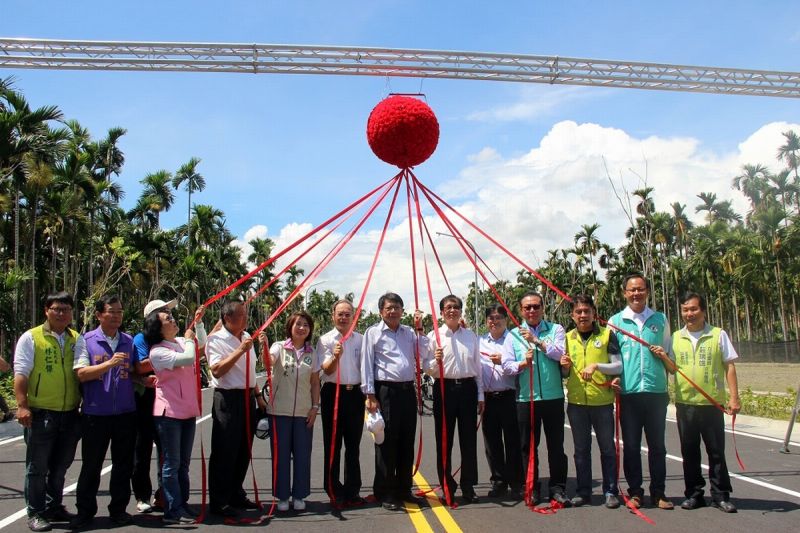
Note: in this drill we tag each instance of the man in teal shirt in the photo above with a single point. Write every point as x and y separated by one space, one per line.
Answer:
643 388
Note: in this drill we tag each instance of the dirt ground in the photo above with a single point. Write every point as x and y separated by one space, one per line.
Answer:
768 377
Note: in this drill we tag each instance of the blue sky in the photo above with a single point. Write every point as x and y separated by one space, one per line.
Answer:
280 153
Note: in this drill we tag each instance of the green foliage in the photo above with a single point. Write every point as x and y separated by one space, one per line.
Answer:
7 389
776 406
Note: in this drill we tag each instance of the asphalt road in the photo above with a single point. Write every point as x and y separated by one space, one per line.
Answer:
767 494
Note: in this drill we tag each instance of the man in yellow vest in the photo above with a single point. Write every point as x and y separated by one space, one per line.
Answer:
592 356
47 398
705 354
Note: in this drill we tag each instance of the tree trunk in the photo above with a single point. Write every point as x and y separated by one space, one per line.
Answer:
748 325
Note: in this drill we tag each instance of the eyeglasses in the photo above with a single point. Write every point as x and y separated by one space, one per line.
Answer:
534 307
452 308
169 318
390 308
495 318
60 310
636 290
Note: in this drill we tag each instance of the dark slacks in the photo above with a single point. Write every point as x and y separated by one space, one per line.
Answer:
501 440
644 411
231 442
146 436
349 428
460 407
704 422
394 459
550 415
98 432
51 443
583 419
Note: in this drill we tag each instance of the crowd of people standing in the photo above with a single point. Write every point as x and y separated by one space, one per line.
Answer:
106 388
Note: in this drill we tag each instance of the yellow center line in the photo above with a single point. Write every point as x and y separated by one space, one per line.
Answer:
439 510
417 518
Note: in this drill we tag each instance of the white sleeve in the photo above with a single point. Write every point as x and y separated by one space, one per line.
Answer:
81 354
728 351
162 358
200 332
215 350
23 355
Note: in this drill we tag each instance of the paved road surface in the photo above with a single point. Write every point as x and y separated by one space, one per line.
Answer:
767 494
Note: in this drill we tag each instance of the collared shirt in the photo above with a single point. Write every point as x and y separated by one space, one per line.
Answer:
554 349
725 346
389 355
640 318
82 353
461 355
220 345
349 366
24 352
494 378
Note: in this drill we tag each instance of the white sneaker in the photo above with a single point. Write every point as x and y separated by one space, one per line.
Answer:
283 505
143 507
299 504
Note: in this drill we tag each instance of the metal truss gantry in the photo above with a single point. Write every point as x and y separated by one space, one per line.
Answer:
360 61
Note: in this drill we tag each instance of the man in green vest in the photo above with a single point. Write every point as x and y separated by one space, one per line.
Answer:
47 398
705 354
592 356
643 388
532 353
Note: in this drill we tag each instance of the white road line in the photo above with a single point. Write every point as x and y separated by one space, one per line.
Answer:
11 439
751 435
24 512
747 479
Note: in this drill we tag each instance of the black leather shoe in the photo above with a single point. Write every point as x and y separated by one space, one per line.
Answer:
58 514
498 491
121 519
356 501
80 521
409 497
390 505
225 511
246 504
695 502
724 505
470 497
38 523
561 498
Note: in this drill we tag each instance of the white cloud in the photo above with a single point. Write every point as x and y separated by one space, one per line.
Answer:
536 202
534 102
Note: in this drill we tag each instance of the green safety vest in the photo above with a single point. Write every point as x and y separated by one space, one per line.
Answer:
52 383
641 370
702 364
547 384
594 350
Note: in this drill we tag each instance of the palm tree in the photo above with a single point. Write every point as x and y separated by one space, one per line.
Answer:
682 226
194 183
752 181
587 243
790 154
158 193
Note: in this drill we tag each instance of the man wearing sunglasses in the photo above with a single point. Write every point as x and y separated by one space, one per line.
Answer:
533 353
643 388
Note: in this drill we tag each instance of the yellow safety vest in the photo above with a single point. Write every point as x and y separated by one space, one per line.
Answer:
594 350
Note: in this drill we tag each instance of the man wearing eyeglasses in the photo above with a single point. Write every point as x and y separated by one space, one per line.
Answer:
500 431
47 396
388 369
643 389
533 353
459 359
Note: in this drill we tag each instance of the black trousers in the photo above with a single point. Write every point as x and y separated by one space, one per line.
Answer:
98 433
644 411
501 439
704 422
394 459
349 428
146 435
460 407
230 446
550 414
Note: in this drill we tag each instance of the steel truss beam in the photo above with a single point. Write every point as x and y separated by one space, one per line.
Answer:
359 61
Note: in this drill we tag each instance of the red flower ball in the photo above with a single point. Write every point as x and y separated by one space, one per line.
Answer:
402 131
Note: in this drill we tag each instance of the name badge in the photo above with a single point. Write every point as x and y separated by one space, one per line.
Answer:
597 343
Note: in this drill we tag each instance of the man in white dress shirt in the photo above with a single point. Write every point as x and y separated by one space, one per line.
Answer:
227 351
341 362
460 358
